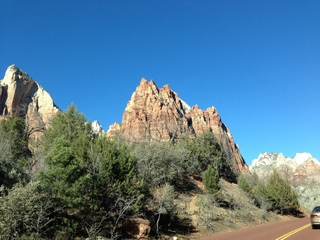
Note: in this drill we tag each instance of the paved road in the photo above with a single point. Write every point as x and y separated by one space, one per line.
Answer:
297 229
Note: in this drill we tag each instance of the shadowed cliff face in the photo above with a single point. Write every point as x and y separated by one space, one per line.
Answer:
21 95
158 114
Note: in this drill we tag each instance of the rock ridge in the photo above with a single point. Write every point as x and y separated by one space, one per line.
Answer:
158 114
302 171
21 95
152 113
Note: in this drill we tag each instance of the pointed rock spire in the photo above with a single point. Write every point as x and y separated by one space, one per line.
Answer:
20 94
159 114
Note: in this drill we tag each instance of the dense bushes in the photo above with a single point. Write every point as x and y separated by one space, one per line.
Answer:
92 177
26 211
86 185
276 194
280 195
211 180
14 152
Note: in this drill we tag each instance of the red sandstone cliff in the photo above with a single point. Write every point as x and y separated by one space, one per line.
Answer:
158 114
153 113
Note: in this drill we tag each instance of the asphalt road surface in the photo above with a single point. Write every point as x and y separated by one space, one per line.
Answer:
297 229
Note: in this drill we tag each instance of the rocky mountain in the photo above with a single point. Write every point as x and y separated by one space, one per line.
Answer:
21 95
153 113
302 171
97 128
158 114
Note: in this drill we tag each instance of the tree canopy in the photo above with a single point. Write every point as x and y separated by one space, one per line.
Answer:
88 185
14 151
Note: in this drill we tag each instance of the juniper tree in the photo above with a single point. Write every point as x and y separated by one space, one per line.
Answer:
205 150
211 180
85 172
280 194
14 151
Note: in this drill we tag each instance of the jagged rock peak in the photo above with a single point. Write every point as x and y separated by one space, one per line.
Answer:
302 157
267 162
14 69
163 96
158 114
20 94
13 73
274 160
144 84
97 128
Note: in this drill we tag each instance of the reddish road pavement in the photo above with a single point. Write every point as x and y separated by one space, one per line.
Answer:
297 229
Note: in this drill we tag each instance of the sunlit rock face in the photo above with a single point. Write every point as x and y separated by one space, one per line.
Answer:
264 165
21 95
302 171
158 114
97 128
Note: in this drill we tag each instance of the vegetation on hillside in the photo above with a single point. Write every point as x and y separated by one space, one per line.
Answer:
275 194
85 185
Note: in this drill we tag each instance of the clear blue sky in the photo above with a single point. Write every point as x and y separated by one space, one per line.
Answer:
257 62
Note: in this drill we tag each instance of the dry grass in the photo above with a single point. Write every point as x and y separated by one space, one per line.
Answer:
229 210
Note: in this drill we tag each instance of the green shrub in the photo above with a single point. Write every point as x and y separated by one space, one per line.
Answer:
211 180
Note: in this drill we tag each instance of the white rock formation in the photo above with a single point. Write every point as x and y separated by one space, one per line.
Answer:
20 94
300 158
302 171
97 128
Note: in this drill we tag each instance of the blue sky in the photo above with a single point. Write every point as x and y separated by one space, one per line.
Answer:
257 62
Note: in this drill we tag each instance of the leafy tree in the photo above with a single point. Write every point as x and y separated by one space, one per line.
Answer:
248 183
14 151
87 173
15 128
276 194
280 195
204 150
244 184
211 180
64 176
118 168
164 205
70 124
66 144
114 187
64 173
158 163
26 212
255 189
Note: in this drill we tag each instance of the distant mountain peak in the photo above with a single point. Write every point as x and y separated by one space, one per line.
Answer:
277 159
302 171
300 158
97 128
